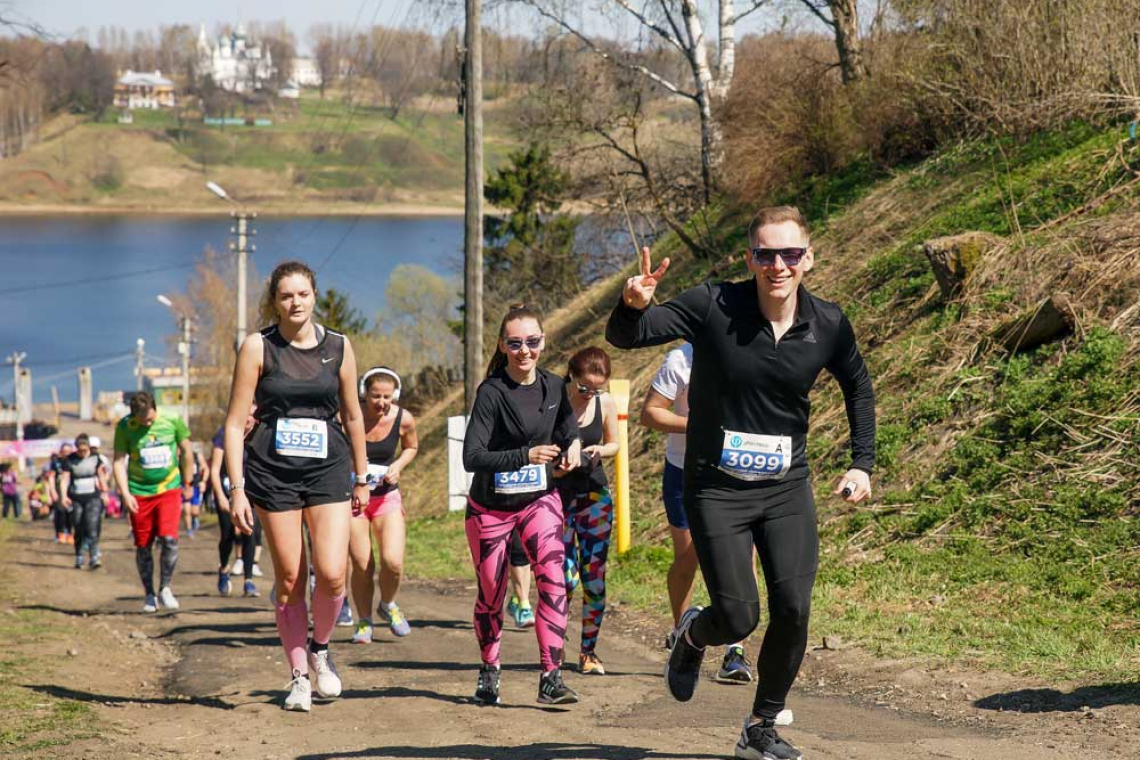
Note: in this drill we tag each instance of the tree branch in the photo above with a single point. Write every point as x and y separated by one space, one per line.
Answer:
639 68
644 21
756 5
818 13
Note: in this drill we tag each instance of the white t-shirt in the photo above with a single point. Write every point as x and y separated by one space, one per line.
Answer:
672 382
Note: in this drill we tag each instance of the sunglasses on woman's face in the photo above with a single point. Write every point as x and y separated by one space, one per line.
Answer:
516 344
766 257
589 392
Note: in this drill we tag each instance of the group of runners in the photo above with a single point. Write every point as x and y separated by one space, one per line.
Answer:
311 456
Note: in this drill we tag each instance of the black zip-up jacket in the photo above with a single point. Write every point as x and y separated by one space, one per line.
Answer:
497 441
743 380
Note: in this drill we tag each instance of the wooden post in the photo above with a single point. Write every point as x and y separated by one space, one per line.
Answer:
473 205
619 391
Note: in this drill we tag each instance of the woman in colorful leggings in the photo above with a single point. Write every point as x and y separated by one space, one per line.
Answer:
586 499
522 429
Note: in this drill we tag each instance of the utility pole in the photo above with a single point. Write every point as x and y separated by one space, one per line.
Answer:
184 349
473 207
140 354
17 398
242 248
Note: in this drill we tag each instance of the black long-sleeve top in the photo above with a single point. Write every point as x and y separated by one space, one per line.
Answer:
503 428
743 380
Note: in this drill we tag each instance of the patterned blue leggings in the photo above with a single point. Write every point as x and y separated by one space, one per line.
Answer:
589 522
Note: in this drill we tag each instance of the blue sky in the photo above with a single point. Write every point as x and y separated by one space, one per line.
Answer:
66 18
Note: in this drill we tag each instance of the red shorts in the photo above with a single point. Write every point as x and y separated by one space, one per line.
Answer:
383 504
157 516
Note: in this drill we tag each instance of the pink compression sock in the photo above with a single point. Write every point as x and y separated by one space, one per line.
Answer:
293 628
325 612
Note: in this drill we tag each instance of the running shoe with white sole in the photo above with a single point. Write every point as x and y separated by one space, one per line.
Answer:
513 610
151 604
238 567
344 618
166 597
734 669
552 690
683 670
323 671
225 586
525 617
590 664
395 619
300 696
363 633
257 571
96 562
250 589
760 741
487 688
78 562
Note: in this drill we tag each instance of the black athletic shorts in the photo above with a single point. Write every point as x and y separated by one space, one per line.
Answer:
288 489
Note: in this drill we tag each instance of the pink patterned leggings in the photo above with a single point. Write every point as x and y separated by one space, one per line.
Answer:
489 537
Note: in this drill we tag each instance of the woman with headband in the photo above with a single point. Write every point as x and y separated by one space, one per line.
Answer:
386 428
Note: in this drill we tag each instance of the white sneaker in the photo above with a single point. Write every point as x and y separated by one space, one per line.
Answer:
238 567
784 717
166 598
257 571
321 668
151 604
300 697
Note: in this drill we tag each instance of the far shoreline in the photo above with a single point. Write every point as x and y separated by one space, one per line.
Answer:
393 210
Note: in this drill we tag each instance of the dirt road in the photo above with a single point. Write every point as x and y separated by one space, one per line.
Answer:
206 682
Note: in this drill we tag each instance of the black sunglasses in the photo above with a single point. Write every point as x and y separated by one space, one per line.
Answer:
766 257
589 392
516 344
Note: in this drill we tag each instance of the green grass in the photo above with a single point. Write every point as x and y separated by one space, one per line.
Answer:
30 720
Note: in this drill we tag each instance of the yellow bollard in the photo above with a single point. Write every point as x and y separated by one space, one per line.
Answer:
619 390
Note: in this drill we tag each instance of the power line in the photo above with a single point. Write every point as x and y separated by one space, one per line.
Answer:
20 289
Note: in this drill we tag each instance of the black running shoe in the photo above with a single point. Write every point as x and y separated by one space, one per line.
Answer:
761 742
683 669
734 669
487 690
552 690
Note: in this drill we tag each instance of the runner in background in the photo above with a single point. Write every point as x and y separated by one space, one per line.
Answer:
586 501
666 409
192 511
84 485
228 535
387 427
296 467
9 484
521 429
61 515
154 460
519 606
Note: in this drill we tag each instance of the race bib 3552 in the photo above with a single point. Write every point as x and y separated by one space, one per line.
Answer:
302 438
748 456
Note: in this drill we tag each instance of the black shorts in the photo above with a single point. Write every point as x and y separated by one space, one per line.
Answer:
283 490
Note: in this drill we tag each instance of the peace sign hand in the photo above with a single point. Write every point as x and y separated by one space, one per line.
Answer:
638 291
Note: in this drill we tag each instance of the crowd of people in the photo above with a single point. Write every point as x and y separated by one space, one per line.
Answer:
312 452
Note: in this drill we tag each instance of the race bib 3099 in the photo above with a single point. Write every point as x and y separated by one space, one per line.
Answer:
748 456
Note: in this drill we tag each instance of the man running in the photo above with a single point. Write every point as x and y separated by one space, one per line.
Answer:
667 409
154 458
758 347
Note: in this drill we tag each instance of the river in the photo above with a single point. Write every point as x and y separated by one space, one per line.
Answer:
80 291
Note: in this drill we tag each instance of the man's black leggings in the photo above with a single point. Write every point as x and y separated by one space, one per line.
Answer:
780 521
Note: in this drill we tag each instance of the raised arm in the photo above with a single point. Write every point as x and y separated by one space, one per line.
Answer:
635 324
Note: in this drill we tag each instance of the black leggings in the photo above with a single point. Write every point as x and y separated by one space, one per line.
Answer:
228 536
780 521
517 553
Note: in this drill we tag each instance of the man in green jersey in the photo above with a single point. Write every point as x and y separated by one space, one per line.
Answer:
154 458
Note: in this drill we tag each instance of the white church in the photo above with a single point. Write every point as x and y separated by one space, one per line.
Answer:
233 63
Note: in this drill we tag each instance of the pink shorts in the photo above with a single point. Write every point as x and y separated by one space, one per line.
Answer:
383 504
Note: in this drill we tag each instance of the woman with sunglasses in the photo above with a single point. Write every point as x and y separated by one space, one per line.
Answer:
296 468
586 500
387 427
522 430
758 347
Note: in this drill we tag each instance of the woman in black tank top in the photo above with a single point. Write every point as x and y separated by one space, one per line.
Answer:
587 504
386 427
297 465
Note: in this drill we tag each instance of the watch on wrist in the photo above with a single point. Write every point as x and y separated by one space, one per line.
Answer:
362 480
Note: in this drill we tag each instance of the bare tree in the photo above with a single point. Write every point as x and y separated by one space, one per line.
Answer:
326 53
842 18
678 23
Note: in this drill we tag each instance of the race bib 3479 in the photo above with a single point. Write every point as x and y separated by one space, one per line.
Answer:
529 479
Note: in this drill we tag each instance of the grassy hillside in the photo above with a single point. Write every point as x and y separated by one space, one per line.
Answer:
319 156
1004 529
